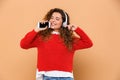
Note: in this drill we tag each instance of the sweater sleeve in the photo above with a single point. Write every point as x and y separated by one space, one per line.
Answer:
29 40
83 42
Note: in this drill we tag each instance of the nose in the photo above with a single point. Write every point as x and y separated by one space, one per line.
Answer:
52 20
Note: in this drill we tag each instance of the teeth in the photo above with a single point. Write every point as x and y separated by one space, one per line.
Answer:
53 24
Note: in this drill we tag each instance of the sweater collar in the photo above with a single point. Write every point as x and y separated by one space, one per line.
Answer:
55 32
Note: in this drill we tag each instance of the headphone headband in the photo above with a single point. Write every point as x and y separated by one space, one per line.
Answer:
65 22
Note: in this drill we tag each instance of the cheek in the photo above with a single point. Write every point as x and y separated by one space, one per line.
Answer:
60 23
50 20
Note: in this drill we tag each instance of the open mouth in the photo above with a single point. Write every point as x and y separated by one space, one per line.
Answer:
53 24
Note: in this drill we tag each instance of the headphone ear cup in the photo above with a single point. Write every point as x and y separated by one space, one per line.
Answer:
64 24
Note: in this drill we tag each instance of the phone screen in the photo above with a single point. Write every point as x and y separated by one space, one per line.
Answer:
43 25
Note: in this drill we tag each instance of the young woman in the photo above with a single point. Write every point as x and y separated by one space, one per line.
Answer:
56 46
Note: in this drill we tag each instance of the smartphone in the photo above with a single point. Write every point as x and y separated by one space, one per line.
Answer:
43 25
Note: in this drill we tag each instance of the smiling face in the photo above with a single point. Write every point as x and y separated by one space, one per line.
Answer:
56 21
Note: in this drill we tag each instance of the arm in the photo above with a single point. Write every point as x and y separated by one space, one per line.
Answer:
29 40
82 42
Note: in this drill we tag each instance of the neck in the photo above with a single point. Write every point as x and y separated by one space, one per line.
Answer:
55 32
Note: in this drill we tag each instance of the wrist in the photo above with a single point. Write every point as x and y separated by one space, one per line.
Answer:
36 30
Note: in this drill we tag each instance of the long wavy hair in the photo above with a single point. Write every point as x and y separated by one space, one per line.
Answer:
65 34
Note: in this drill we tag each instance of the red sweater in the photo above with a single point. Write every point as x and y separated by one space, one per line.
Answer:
53 54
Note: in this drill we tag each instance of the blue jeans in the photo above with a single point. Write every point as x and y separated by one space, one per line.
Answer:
56 78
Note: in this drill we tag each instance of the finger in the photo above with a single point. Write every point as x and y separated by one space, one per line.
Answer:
69 27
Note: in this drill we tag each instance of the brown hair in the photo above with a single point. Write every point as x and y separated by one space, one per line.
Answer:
65 34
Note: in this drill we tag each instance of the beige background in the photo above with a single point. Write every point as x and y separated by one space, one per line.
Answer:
100 19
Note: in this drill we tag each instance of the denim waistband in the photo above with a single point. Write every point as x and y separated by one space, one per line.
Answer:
56 78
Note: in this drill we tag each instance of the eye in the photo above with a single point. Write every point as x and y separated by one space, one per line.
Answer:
51 17
57 19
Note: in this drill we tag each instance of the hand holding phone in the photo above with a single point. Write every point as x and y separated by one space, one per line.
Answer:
43 24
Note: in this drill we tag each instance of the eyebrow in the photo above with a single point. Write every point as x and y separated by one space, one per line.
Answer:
57 17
